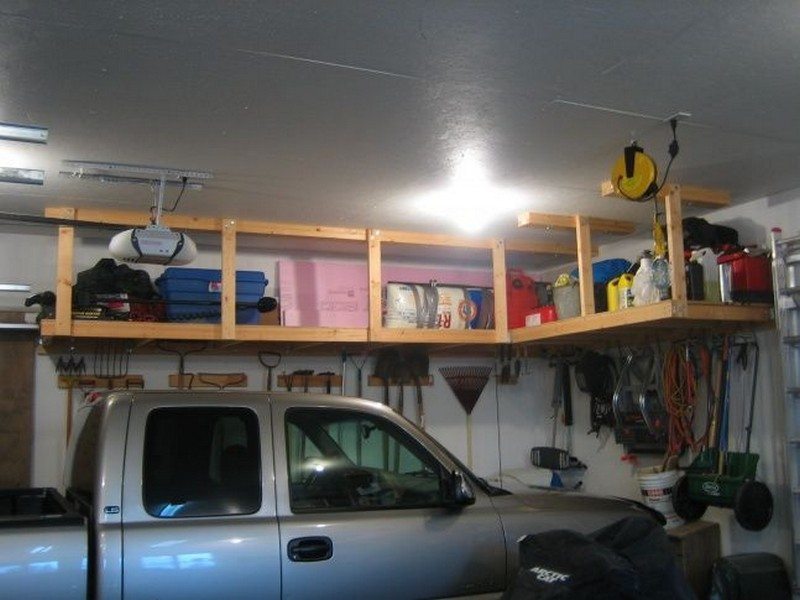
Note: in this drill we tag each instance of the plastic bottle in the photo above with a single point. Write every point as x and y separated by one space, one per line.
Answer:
661 277
625 293
644 288
612 294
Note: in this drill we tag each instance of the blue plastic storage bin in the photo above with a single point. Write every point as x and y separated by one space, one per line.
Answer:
180 287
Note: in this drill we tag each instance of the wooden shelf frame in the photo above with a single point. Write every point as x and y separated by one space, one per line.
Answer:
376 238
661 319
63 325
669 318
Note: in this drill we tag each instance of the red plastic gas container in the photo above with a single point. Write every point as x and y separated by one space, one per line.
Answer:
522 298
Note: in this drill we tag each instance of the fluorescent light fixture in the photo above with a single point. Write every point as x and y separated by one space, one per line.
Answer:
23 133
471 201
14 287
27 176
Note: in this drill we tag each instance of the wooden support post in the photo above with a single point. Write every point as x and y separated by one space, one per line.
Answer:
583 235
64 274
374 264
228 300
677 272
499 280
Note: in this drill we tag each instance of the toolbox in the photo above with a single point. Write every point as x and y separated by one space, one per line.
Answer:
181 286
745 277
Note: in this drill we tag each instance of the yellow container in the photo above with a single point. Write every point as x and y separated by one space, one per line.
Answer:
625 297
612 294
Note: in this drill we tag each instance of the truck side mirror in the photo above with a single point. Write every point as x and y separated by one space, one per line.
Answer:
460 491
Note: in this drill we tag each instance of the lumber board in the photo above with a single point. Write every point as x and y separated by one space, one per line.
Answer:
690 194
550 221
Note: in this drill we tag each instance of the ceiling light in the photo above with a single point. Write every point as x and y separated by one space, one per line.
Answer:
471 201
23 133
27 176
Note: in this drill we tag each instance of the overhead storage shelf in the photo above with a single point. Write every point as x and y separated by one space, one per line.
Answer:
664 320
668 319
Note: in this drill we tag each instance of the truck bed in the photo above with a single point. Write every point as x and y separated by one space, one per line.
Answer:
43 545
36 507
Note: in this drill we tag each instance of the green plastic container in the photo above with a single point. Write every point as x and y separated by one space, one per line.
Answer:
710 485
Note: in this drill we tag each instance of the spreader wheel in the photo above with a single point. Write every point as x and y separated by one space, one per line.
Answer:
686 508
753 505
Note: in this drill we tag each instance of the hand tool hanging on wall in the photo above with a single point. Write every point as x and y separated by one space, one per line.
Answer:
72 368
553 457
419 366
269 360
467 384
359 365
328 379
344 373
184 380
384 368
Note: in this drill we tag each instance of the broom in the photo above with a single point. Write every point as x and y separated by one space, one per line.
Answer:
467 384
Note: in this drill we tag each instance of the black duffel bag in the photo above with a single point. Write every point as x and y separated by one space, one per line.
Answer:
630 559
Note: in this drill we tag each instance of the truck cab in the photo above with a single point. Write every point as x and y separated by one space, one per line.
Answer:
255 495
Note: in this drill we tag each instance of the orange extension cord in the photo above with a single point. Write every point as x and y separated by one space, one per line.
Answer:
680 380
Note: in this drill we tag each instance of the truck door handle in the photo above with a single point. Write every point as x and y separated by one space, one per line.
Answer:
310 549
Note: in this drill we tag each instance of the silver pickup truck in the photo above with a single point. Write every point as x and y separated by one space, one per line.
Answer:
249 495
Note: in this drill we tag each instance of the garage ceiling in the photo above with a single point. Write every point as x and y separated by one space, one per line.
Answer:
342 113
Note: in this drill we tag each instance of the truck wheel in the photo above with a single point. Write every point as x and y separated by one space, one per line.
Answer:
686 508
752 505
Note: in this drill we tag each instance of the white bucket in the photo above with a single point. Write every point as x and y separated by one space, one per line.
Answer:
656 489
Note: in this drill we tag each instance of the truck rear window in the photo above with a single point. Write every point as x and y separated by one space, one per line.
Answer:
201 462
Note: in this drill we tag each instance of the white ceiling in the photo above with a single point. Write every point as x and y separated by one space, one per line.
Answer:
340 113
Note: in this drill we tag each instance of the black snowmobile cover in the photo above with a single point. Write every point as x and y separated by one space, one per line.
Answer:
630 559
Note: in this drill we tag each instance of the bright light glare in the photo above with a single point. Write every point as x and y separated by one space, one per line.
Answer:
471 201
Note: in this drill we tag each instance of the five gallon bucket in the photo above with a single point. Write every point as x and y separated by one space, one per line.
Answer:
656 489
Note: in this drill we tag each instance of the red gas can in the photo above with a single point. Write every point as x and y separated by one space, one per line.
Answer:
522 298
745 277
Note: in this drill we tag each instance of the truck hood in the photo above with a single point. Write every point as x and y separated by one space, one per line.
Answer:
545 509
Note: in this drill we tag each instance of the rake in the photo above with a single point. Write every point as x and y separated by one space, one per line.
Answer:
467 384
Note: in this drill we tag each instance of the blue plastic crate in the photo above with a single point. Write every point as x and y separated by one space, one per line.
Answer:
204 286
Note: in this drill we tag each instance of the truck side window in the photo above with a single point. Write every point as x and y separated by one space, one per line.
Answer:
343 460
201 462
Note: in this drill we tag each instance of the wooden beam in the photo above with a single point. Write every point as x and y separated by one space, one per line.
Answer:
228 300
279 333
548 221
190 223
690 194
299 230
374 269
434 336
64 275
532 247
499 282
134 219
430 239
677 271
583 237
137 330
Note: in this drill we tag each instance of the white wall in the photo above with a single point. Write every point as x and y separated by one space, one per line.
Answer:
524 409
